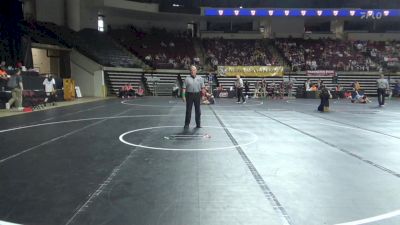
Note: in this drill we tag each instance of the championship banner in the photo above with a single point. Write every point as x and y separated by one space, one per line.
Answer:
250 71
321 73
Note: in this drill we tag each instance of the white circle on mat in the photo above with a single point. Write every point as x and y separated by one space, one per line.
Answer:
253 139
181 104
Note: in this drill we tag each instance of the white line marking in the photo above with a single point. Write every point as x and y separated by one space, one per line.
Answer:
7 223
100 189
56 138
111 117
373 219
159 106
68 114
49 141
182 105
77 120
253 140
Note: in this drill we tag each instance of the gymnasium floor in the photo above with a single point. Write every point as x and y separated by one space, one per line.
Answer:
273 162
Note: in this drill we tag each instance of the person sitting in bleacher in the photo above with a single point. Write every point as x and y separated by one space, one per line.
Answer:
131 91
307 85
126 91
206 97
257 89
3 74
3 70
123 91
339 91
175 90
140 91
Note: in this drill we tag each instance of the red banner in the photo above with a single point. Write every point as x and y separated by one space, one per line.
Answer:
321 73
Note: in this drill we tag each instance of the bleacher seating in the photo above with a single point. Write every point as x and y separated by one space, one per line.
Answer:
116 79
93 44
37 35
158 48
105 49
163 87
224 52
386 54
324 54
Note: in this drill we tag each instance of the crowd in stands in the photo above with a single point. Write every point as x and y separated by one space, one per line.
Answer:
159 48
326 54
237 53
385 53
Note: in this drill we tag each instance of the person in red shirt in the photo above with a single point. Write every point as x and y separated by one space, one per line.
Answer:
123 91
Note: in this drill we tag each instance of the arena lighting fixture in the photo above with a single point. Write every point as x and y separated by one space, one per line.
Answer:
271 12
293 12
386 13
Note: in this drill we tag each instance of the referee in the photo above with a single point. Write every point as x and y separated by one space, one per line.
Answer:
191 91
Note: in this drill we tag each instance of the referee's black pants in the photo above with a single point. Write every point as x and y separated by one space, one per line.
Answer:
192 98
381 96
239 93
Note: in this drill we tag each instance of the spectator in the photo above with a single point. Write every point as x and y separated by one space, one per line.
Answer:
140 91
324 95
16 86
3 66
123 91
307 85
175 89
49 87
396 89
246 89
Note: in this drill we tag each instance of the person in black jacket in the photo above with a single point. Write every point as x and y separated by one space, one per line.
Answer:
324 96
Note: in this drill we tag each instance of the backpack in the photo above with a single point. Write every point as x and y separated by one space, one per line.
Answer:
12 82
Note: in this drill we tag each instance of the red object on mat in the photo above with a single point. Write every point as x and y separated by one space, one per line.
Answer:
27 109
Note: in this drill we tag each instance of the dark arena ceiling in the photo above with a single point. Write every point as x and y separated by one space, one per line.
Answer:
195 4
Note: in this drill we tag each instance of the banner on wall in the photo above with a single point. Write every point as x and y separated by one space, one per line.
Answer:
321 73
250 71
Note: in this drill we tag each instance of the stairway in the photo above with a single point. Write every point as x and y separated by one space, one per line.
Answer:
276 53
198 47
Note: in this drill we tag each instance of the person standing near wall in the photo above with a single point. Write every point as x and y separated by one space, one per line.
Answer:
191 94
382 85
49 87
16 86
